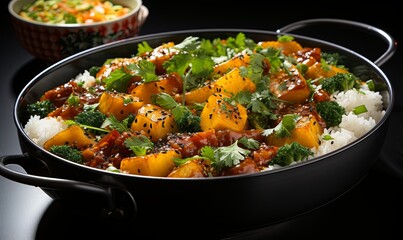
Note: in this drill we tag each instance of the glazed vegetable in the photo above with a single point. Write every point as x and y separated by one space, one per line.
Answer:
73 136
221 113
154 121
203 108
303 130
156 164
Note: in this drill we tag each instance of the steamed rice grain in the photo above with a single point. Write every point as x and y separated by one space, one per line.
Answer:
353 98
338 139
359 125
40 130
86 79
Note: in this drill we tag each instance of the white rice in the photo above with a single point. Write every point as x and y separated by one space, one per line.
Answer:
352 126
353 98
86 79
42 129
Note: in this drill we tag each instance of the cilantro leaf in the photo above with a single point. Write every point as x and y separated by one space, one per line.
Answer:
284 128
143 47
285 38
249 143
274 56
144 69
117 80
140 145
188 44
114 123
229 156
178 63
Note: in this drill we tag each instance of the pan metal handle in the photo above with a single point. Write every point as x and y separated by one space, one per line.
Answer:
392 44
112 208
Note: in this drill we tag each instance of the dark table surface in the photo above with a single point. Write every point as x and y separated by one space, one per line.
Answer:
373 208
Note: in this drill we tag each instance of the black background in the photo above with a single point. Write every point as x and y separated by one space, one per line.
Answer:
372 209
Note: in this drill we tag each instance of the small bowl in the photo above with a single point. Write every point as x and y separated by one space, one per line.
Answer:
53 42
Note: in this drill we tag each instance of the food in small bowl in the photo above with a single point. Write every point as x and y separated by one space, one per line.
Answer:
54 29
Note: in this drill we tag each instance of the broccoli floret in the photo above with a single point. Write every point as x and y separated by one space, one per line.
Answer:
289 153
332 58
67 152
339 82
90 118
331 112
94 70
41 108
185 120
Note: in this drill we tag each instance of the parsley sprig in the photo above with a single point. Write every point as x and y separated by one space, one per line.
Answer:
284 128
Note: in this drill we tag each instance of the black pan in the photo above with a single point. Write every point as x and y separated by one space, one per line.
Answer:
211 207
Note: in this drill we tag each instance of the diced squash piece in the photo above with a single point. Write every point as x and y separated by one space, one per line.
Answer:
154 121
196 168
290 87
73 136
157 164
170 84
233 82
306 132
218 114
118 104
159 55
287 47
317 71
237 61
199 95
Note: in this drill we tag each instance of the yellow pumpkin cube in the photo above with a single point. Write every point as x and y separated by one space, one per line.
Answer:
307 132
154 121
199 95
196 168
218 114
157 164
317 71
237 61
233 82
287 47
170 84
118 104
73 136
